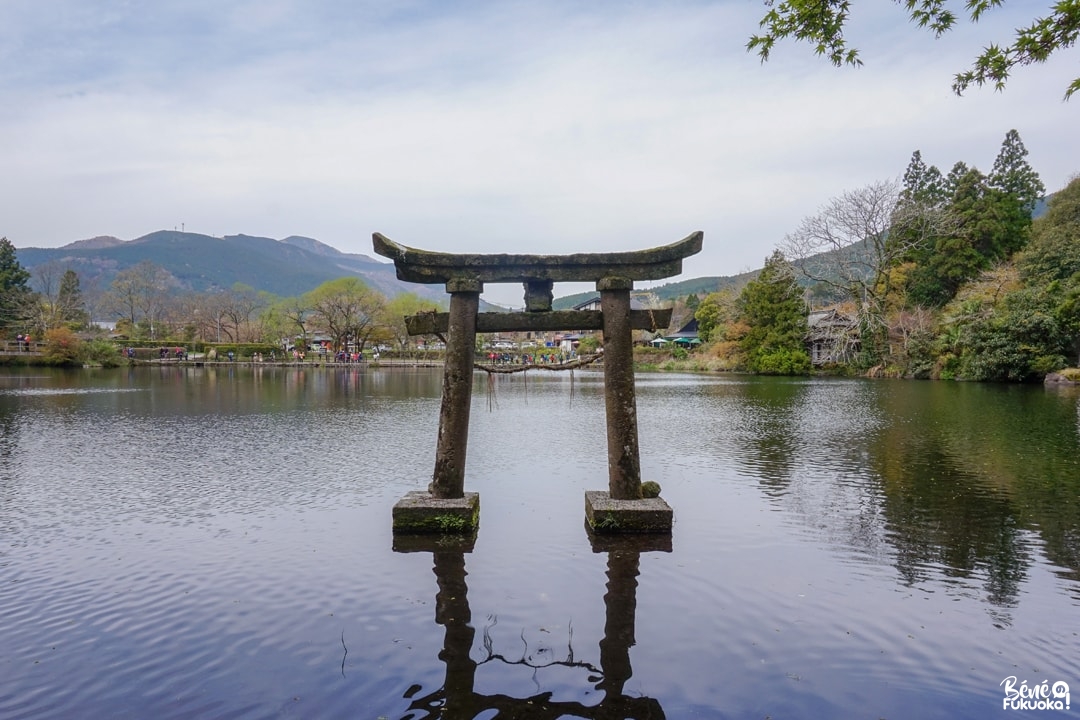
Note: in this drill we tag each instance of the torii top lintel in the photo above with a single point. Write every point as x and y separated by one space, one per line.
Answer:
425 266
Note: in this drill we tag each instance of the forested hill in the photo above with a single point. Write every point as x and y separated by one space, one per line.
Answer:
292 266
669 292
288 267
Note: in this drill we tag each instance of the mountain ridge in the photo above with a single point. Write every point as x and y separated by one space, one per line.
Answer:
287 267
205 263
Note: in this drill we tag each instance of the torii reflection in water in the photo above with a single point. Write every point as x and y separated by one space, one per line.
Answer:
457 700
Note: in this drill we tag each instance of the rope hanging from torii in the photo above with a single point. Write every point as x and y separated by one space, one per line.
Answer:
510 368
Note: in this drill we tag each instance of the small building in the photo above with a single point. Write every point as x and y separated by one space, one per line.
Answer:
687 335
568 342
832 337
592 303
638 301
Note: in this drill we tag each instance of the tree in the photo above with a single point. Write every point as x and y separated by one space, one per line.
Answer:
714 313
822 22
1015 188
397 309
202 314
997 328
981 220
14 287
138 294
920 212
588 344
69 300
346 308
952 181
1014 176
46 283
236 308
922 183
1020 338
850 247
91 296
772 306
288 318
708 316
1067 313
59 299
1054 250
1052 260
977 238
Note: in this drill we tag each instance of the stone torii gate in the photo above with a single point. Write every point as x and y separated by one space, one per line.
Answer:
446 507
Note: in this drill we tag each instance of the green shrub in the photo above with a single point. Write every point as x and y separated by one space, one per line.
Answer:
780 361
101 352
62 347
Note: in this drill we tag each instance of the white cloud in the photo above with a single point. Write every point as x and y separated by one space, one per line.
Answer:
476 126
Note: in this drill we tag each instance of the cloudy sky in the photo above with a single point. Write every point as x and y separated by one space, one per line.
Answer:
554 126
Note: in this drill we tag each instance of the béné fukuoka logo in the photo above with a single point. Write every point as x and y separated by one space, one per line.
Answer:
1040 696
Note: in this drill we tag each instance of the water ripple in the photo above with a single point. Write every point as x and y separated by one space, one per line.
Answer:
197 544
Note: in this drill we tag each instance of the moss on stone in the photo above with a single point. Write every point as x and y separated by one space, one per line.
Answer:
650 489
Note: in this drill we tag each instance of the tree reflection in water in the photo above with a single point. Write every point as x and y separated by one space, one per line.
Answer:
457 699
969 484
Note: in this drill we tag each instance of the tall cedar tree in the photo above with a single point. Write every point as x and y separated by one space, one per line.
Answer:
69 300
773 307
916 220
14 286
1014 176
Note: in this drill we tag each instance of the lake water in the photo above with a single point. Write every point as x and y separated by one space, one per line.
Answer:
201 543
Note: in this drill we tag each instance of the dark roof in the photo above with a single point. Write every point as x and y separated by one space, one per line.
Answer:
689 330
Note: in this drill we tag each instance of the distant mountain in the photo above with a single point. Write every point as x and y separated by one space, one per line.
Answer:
319 248
101 241
288 267
703 286
670 292
203 263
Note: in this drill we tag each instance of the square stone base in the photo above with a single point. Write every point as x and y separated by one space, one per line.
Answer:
421 512
607 516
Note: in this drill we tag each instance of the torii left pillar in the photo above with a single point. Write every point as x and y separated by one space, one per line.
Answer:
446 507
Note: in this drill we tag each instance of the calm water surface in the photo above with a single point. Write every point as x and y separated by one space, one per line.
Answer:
189 543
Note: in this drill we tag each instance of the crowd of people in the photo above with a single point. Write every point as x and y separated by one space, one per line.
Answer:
505 358
349 357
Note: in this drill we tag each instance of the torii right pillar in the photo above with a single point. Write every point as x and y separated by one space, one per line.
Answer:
620 401
622 509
